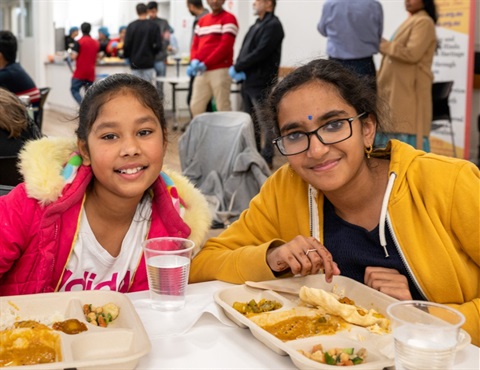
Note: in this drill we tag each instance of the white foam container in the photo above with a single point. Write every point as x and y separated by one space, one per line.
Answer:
118 346
379 347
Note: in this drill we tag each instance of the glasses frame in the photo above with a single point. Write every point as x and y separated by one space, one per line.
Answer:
277 140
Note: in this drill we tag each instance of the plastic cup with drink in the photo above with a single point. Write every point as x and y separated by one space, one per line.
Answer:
425 334
168 265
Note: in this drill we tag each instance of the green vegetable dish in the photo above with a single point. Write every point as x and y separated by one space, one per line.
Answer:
336 356
252 307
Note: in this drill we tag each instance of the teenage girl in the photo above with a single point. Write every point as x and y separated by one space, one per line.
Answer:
78 220
389 218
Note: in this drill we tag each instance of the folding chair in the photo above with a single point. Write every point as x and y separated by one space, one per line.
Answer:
9 174
43 98
441 109
219 155
5 189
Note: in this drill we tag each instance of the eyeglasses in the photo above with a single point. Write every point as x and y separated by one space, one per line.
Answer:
330 133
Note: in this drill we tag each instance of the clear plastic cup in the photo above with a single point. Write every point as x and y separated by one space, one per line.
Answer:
168 265
425 334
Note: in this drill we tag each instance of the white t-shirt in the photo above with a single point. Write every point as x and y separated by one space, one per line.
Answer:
91 267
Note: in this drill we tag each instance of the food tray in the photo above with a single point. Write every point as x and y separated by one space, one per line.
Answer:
379 347
120 345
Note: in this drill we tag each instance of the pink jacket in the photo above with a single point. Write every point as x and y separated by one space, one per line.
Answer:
37 235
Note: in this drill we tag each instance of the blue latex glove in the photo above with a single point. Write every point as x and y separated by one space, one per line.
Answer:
202 67
191 72
239 76
114 44
194 64
232 72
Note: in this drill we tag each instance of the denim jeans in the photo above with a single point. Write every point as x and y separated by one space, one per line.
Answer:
147 74
76 86
161 70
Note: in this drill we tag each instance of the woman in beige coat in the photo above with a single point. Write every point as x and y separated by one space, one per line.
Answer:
405 77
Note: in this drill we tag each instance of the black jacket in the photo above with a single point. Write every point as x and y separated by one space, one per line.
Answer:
142 42
261 51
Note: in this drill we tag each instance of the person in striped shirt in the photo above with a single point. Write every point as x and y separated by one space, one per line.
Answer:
211 55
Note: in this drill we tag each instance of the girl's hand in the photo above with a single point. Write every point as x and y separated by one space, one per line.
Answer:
388 281
304 256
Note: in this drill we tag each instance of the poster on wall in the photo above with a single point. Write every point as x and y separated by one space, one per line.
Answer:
454 62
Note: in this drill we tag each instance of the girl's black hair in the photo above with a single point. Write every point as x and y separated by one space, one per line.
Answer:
104 90
359 92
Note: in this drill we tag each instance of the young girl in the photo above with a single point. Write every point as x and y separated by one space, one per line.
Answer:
78 221
399 220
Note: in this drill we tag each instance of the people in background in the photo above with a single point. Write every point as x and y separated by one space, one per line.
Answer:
211 55
16 126
104 193
142 43
353 30
161 57
376 216
257 67
70 38
103 39
12 75
85 53
115 46
173 47
196 9
405 77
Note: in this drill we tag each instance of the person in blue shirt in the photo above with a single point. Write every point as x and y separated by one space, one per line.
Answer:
354 31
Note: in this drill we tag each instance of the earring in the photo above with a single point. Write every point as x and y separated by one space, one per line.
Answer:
368 151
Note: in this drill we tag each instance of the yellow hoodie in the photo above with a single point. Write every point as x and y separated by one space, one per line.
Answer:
433 210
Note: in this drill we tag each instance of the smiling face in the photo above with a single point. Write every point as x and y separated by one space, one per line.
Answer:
125 148
333 167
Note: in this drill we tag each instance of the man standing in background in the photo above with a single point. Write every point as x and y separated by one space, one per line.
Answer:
85 53
70 38
353 30
142 43
211 55
195 7
257 66
161 57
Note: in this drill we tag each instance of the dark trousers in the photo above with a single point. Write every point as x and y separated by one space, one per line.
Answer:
251 99
364 67
76 86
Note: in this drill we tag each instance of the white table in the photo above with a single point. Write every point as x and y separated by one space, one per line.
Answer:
209 344
174 81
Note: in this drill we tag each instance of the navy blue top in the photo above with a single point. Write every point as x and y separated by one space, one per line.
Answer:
16 80
354 248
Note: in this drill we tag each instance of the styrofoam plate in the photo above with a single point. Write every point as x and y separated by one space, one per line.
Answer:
378 346
120 345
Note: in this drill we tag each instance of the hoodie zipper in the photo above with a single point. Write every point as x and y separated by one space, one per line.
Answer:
402 257
385 220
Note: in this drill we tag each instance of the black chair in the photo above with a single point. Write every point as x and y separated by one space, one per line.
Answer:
441 109
43 98
5 189
9 174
